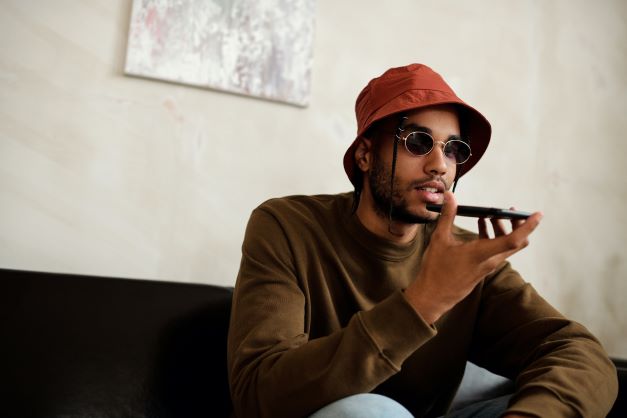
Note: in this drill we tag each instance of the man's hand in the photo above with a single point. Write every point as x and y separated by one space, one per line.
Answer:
452 268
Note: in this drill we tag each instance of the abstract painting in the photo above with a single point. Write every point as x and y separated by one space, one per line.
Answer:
261 48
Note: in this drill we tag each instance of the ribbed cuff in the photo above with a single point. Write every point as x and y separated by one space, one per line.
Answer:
395 328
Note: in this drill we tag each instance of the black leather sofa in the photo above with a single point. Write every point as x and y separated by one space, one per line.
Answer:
78 346
82 346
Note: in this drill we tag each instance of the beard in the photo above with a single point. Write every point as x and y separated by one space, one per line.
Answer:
379 179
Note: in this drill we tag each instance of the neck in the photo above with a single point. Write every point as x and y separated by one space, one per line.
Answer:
380 225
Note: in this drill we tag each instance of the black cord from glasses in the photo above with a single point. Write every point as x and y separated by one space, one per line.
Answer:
401 126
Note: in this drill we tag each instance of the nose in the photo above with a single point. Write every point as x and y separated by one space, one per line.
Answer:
436 162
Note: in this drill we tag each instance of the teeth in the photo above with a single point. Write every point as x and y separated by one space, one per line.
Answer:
429 189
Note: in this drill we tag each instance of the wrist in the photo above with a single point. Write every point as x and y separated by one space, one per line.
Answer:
427 309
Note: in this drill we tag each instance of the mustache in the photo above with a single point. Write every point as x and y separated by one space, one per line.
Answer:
417 183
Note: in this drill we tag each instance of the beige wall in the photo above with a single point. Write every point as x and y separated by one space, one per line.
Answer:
110 175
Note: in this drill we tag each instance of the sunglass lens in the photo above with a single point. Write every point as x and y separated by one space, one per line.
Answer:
457 150
419 143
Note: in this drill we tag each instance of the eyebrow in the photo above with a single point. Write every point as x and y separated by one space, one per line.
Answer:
413 127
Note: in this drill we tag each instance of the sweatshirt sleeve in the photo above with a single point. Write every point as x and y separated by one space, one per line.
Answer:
275 369
560 368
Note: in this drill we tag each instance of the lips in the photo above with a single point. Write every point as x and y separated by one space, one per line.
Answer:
431 187
430 192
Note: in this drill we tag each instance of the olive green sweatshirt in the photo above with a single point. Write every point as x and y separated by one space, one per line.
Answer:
319 314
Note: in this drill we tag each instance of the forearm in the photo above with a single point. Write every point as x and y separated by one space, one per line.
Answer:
570 375
560 369
297 376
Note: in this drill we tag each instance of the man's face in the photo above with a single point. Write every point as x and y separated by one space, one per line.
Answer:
418 179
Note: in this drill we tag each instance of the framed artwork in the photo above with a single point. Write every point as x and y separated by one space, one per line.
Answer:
260 48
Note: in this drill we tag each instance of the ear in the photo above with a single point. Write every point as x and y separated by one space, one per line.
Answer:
364 154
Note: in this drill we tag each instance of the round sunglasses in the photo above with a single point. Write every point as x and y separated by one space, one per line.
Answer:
421 143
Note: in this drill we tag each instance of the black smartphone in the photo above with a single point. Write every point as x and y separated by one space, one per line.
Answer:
483 212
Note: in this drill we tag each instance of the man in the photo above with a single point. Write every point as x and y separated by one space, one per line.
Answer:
367 304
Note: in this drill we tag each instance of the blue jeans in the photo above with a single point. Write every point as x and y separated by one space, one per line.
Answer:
370 405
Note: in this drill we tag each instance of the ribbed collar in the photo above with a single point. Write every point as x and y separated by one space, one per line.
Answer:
372 243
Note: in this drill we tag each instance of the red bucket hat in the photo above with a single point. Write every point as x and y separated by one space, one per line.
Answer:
412 87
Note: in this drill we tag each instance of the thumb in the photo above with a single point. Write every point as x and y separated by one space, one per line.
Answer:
449 210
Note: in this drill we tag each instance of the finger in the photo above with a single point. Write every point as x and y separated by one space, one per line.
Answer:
509 243
447 215
495 261
516 222
526 228
498 226
483 228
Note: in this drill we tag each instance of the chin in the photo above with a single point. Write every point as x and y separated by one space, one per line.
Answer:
428 217
415 217
420 211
